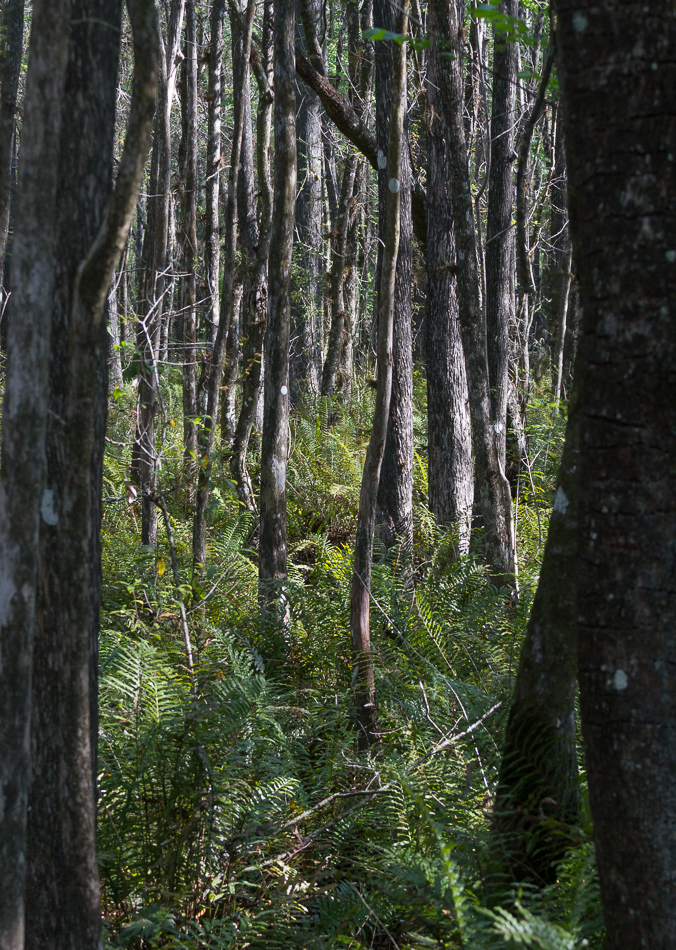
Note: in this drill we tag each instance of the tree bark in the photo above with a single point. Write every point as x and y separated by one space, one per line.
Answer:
494 491
272 556
254 304
62 887
305 365
188 238
449 433
364 678
499 234
395 492
207 435
538 796
24 498
212 238
617 71
11 37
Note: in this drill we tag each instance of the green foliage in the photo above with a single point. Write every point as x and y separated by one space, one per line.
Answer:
235 811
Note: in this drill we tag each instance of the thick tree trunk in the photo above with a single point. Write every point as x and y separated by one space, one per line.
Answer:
617 71
395 493
11 38
62 887
450 479
494 491
272 557
364 679
499 233
538 797
24 499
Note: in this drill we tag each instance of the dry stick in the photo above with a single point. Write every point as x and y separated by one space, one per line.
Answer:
162 505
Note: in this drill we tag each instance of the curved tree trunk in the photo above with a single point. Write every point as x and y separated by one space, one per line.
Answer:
364 679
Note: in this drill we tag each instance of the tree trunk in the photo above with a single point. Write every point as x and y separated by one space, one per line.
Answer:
254 304
494 491
616 66
62 887
499 234
306 295
188 238
395 493
538 796
450 480
212 238
272 557
11 37
207 436
24 499
364 679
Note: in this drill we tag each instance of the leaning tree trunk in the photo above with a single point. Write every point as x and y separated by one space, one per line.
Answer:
62 886
494 491
11 37
450 479
617 71
365 687
499 233
272 556
24 498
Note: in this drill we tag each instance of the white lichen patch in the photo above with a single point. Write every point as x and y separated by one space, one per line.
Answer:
49 513
620 680
580 22
561 503
394 185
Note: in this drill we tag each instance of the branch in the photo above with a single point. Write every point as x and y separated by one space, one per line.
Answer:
346 120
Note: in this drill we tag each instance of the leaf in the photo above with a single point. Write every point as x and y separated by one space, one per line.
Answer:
161 566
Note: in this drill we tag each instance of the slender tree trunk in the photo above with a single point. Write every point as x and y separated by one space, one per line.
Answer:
255 301
272 557
365 688
337 303
207 434
395 493
494 491
114 353
24 499
212 238
188 296
11 38
618 109
560 277
499 233
306 295
450 479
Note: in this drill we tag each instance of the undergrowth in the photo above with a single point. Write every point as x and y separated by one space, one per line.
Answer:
234 809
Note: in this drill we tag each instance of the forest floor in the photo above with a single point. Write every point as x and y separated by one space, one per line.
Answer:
235 810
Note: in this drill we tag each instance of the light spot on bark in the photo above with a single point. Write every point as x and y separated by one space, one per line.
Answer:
654 67
394 185
560 501
47 509
671 256
620 680
580 22
382 159
283 390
